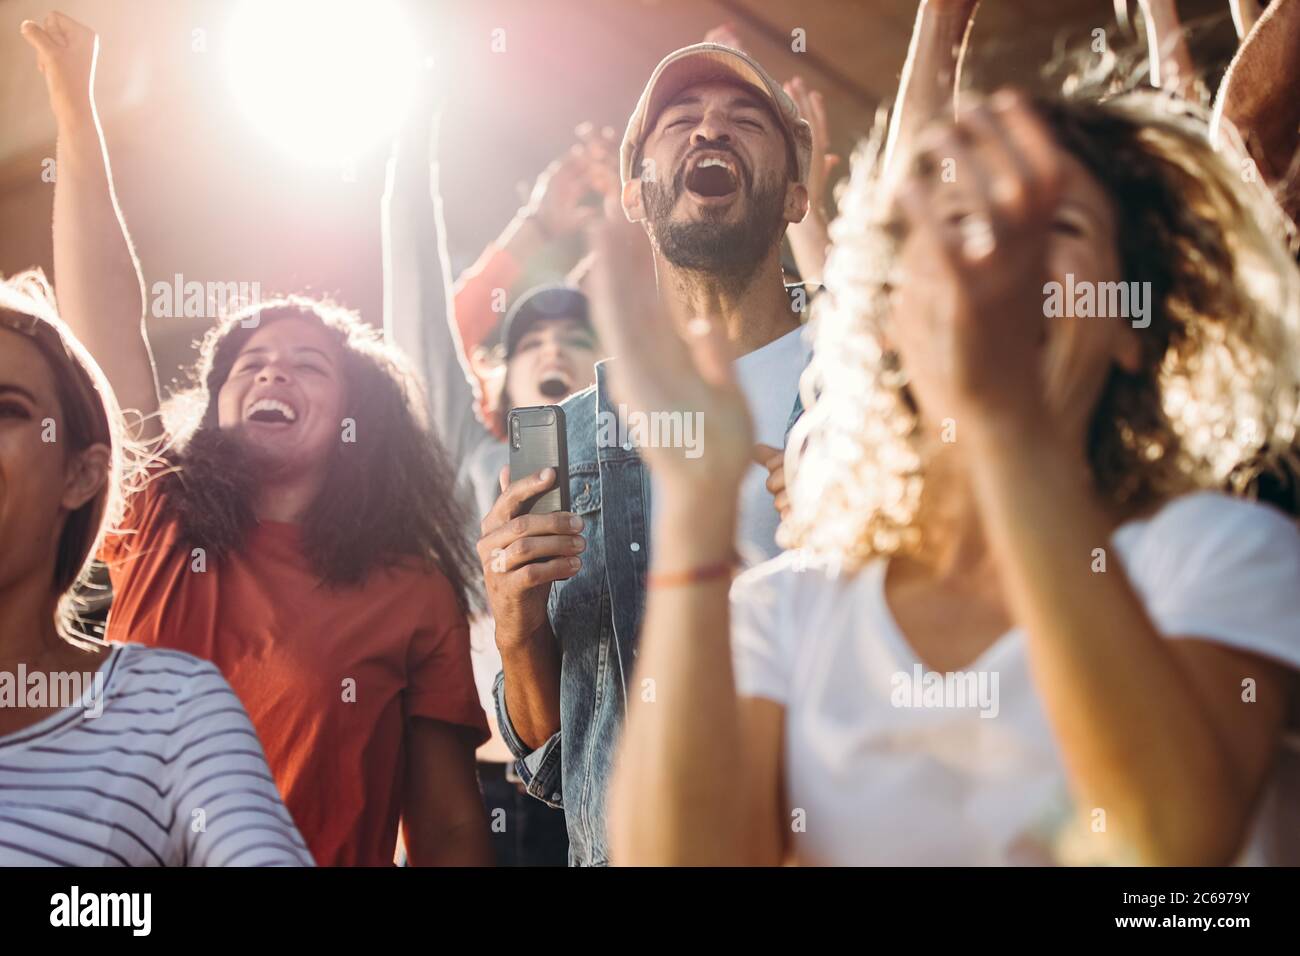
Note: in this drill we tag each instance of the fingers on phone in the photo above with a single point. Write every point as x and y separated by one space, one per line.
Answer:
500 537
547 572
514 494
536 549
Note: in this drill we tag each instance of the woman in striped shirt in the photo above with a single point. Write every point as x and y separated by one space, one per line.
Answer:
110 754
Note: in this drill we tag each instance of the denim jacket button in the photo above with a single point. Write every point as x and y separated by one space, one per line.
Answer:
635 546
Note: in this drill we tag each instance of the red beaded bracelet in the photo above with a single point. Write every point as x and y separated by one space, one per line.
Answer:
671 579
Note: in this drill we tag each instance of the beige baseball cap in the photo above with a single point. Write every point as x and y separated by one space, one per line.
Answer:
704 63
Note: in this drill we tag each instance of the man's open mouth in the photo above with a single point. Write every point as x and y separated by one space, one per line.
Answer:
713 176
271 411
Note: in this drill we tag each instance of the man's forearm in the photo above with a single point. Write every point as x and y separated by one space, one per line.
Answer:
532 687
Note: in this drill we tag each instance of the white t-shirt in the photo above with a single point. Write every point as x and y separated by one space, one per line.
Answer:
769 377
882 781
481 469
117 779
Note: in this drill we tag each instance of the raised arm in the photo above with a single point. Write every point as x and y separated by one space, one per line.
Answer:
96 275
810 238
1171 62
443 331
932 72
537 244
418 316
1259 96
673 796
1244 15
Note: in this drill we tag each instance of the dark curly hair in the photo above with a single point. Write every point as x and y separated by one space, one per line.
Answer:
387 498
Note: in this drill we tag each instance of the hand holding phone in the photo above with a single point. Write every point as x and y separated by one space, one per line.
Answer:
529 540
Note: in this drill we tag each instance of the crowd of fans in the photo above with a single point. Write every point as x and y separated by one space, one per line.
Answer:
988 554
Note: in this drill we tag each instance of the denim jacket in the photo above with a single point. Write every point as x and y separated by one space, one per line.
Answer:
596 618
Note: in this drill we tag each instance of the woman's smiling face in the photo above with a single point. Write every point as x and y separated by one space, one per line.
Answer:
1077 353
41 480
285 393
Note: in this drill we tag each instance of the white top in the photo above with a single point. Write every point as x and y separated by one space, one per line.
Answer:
769 377
881 778
480 470
163 769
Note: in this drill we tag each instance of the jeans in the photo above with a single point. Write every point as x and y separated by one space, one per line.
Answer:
525 831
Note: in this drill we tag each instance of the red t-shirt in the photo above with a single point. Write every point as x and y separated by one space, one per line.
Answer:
328 677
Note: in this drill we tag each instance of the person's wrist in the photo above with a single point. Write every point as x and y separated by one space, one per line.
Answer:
522 235
996 427
704 514
534 218
72 111
516 644
695 484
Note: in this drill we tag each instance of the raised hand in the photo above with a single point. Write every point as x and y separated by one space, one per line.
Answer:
812 105
968 315
523 554
667 364
601 147
97 277
66 53
725 34
556 204
810 238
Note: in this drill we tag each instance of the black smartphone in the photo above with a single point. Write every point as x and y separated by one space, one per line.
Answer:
538 440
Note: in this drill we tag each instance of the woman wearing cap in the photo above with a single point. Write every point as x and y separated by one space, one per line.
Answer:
1024 625
144 757
546 351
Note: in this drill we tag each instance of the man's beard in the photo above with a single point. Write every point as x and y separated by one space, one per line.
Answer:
728 252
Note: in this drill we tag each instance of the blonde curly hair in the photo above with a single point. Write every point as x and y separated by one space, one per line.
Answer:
1215 399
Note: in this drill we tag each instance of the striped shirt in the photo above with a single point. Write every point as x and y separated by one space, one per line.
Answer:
170 773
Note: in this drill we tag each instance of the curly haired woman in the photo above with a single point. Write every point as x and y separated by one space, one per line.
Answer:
1023 625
